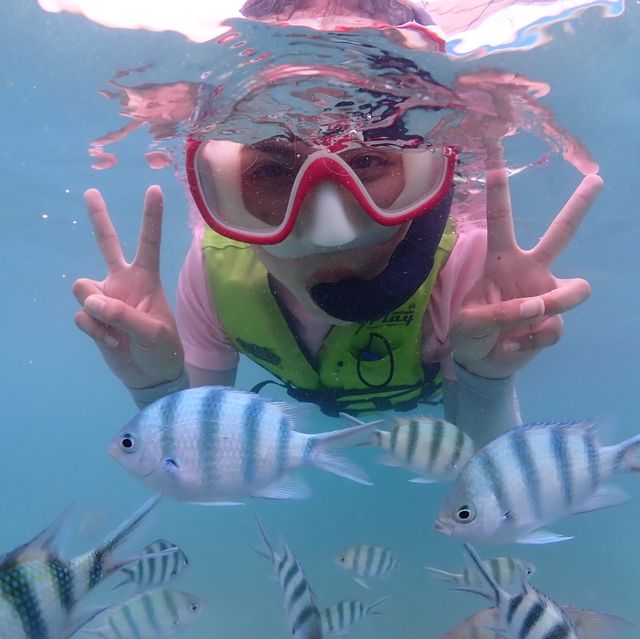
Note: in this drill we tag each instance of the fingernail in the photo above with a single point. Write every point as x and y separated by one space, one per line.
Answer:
94 304
511 347
531 308
111 341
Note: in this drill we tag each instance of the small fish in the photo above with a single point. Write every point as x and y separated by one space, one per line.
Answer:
504 570
531 614
531 476
161 562
588 624
367 561
431 447
340 617
215 445
152 614
40 590
300 606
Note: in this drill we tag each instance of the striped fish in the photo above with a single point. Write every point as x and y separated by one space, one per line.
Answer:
531 476
215 445
152 614
340 617
40 590
504 570
530 614
367 561
300 606
431 447
161 562
588 625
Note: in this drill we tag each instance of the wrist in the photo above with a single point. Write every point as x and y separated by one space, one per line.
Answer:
149 394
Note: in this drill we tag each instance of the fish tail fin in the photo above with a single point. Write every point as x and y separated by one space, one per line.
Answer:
129 578
377 436
324 447
627 456
477 570
444 575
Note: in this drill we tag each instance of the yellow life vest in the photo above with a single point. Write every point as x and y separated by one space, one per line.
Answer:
360 368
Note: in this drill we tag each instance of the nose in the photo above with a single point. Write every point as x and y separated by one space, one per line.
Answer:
329 222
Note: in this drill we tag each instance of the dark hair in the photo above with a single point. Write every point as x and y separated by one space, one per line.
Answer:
391 11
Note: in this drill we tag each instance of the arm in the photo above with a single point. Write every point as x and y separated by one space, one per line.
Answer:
513 309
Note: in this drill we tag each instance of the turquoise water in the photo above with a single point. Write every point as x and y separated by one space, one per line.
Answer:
61 405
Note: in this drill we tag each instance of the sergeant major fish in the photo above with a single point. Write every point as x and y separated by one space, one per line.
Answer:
338 618
300 605
431 447
161 562
366 561
531 614
533 475
504 570
153 614
216 445
40 590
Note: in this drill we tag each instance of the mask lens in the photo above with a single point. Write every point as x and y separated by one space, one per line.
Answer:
250 189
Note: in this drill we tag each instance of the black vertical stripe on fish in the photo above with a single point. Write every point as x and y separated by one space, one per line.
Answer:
131 622
63 580
593 461
306 613
298 592
457 451
289 575
529 471
114 627
329 617
496 568
150 612
340 616
251 418
563 464
369 568
284 438
393 441
492 472
514 604
16 589
167 440
436 441
559 631
169 601
412 441
96 569
533 617
208 437
352 612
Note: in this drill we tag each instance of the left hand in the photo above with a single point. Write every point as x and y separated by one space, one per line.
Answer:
514 308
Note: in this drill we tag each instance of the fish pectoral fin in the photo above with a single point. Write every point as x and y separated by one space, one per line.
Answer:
605 497
387 460
287 487
596 625
82 618
361 582
541 536
216 503
422 480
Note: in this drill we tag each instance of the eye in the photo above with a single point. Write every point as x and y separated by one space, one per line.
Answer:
128 443
194 607
465 513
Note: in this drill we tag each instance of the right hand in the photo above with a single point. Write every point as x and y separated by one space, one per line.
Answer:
127 314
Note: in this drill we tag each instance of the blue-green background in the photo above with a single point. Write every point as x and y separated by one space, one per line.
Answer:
60 405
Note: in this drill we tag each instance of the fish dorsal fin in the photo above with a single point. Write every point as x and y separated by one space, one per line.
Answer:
584 425
46 542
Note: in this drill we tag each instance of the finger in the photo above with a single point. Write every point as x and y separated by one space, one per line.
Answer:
106 236
569 294
148 253
112 312
84 287
565 225
545 334
477 322
500 233
95 329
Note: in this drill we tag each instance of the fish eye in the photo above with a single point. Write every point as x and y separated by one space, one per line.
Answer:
128 443
465 513
194 607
